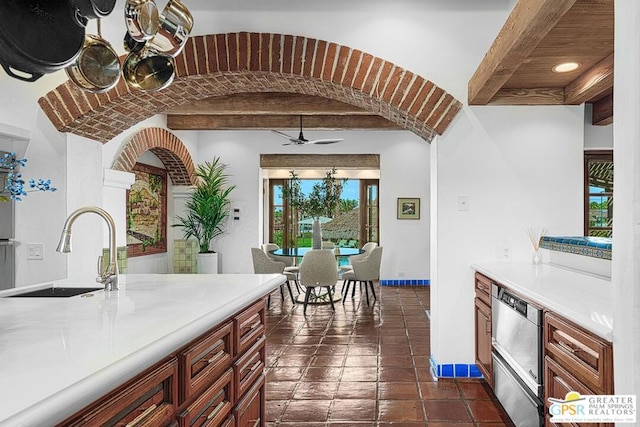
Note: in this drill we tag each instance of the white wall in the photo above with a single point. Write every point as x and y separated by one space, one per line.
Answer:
520 168
404 172
596 137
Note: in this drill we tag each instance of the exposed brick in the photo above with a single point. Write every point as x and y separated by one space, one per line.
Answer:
200 54
363 71
421 98
265 51
341 64
276 55
438 110
255 52
392 84
318 60
430 104
243 51
287 54
383 79
329 61
223 59
446 119
309 54
232 50
372 77
298 56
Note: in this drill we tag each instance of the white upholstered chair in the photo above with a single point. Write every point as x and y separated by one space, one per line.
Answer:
365 271
318 270
366 248
262 264
290 267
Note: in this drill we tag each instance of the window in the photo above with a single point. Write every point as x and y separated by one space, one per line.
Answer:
598 191
354 224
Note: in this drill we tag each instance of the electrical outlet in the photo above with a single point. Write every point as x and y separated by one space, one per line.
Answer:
504 251
35 251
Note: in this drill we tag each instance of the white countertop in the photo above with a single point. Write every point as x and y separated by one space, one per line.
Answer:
584 299
57 355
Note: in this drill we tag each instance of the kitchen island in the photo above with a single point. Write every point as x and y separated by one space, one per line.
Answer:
58 355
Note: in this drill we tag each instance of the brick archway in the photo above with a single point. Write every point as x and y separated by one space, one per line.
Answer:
223 64
166 146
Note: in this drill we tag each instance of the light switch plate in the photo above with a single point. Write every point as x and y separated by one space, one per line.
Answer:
35 251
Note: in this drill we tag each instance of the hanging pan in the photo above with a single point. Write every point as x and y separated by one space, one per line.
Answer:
38 37
90 9
176 23
141 19
148 71
97 67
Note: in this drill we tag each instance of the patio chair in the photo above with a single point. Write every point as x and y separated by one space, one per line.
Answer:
262 264
365 271
367 247
318 270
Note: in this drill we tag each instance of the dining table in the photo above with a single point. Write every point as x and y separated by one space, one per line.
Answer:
319 297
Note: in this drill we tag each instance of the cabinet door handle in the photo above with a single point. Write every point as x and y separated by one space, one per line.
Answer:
140 417
487 327
217 409
566 347
256 423
256 365
216 356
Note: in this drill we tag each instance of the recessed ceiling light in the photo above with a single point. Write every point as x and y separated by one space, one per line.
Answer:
565 67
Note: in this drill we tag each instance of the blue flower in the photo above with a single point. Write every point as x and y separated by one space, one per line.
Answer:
15 183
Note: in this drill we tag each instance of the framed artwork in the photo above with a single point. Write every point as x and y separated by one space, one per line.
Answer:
408 208
147 211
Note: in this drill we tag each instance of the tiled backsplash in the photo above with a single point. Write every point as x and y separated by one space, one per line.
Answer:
596 247
122 258
404 282
184 256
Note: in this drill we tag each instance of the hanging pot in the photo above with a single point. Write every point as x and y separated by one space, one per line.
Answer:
176 23
90 9
148 71
130 45
141 19
97 67
38 37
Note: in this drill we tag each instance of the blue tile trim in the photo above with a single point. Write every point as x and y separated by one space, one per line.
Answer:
454 370
404 282
596 247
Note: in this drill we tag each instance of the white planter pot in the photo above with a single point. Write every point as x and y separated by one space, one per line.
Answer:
207 263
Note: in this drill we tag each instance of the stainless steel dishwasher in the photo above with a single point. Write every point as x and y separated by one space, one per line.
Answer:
517 357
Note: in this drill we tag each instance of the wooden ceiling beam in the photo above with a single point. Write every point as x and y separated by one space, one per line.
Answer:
535 96
267 122
268 103
529 22
602 112
592 84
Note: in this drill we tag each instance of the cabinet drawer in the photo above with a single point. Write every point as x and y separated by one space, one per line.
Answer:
248 327
484 362
582 354
559 382
211 408
248 368
148 400
483 288
248 411
229 422
203 361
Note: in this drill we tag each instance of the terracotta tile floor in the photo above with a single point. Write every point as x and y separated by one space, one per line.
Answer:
365 366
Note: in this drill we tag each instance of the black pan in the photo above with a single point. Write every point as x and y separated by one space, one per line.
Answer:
38 37
92 9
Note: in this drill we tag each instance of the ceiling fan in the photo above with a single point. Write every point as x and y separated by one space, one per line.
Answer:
301 140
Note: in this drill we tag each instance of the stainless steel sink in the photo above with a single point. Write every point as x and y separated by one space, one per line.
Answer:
55 292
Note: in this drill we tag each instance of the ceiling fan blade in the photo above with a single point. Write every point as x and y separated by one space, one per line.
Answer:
284 135
325 141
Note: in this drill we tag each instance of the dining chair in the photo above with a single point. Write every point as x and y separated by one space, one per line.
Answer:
367 247
365 271
289 262
318 270
262 264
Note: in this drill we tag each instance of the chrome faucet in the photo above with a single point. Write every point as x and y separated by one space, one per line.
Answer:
108 276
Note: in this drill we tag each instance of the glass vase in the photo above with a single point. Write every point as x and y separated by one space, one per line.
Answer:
536 258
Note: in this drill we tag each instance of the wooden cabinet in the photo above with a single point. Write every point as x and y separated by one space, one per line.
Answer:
216 380
150 399
575 360
250 410
483 327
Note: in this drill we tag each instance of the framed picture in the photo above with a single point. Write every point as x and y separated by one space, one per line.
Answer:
147 211
408 208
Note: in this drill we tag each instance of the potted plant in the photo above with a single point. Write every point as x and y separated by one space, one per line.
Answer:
207 209
323 200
